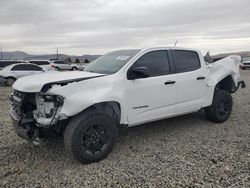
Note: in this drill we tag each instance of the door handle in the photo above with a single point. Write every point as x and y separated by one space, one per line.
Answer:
169 82
201 78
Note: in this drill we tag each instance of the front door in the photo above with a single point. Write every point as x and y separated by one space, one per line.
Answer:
154 97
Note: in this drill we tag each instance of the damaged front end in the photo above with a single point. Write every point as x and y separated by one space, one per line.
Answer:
36 115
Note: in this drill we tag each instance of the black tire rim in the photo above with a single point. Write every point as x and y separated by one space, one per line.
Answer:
95 139
223 109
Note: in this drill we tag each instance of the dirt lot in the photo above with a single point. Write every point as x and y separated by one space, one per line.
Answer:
178 152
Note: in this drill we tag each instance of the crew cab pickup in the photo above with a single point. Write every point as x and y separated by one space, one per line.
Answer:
121 89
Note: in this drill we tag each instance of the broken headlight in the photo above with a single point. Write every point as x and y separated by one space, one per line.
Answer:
57 99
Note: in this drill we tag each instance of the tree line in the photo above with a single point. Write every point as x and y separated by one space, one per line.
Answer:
76 61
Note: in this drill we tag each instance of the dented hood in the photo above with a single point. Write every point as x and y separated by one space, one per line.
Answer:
38 82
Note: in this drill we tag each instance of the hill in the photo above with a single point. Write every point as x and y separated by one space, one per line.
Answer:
18 55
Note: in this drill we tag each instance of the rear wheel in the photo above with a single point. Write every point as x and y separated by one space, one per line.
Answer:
90 136
74 68
57 68
221 107
10 81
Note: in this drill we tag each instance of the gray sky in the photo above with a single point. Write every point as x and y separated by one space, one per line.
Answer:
97 26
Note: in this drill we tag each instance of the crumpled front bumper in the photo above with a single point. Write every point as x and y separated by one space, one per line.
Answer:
22 129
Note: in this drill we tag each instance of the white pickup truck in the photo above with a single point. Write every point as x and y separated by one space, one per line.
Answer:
121 89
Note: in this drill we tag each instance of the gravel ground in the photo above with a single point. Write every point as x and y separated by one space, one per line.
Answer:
177 152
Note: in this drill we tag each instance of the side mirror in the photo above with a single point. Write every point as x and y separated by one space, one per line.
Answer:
138 72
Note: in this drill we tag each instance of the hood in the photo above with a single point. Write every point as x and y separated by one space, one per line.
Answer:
38 82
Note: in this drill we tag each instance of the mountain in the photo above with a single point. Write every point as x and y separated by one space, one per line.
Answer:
18 55
14 55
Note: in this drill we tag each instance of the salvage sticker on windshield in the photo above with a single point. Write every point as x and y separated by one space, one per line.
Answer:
122 57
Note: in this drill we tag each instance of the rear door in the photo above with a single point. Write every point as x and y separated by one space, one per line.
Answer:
190 79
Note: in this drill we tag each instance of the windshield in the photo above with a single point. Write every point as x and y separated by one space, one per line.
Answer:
111 62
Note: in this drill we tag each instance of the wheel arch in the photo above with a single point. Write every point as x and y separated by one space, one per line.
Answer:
111 108
7 77
227 83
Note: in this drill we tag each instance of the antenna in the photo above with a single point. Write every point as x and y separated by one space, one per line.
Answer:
175 43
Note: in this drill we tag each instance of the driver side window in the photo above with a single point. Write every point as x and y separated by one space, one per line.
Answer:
157 63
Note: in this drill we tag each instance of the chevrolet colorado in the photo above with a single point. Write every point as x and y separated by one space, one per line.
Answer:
121 89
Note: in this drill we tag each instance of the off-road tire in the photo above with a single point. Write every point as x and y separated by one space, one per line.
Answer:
78 128
221 107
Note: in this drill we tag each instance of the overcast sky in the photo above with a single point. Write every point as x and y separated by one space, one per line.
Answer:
97 26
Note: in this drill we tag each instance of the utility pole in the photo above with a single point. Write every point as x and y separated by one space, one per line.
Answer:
1 52
57 53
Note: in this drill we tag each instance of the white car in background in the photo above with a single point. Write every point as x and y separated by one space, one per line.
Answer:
12 72
48 65
63 65
245 65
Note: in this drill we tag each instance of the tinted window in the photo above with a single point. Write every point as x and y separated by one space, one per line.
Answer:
40 62
18 68
156 62
186 61
33 68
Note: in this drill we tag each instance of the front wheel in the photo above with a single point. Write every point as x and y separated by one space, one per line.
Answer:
10 81
221 107
90 136
74 69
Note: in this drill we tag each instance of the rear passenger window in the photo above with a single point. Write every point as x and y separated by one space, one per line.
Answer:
156 62
186 60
